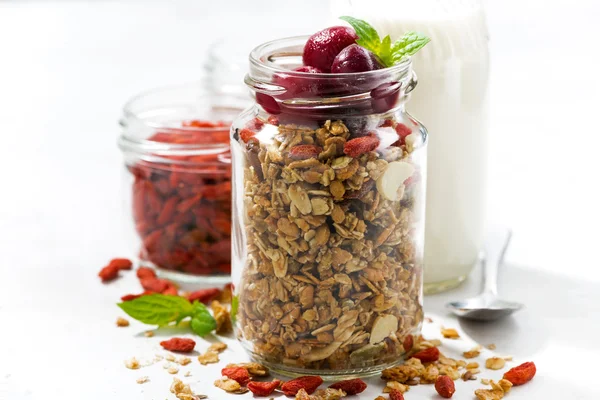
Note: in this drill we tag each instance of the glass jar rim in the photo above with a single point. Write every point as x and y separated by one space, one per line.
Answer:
268 49
137 121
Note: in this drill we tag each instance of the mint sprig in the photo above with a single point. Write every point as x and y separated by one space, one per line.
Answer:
160 309
390 54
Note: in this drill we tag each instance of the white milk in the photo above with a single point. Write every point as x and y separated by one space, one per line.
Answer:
451 101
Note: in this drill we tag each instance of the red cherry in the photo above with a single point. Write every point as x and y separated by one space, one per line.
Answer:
355 58
298 86
322 47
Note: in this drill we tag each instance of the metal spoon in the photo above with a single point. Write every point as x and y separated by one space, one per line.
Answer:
487 306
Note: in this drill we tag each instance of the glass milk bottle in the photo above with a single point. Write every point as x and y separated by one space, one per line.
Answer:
452 101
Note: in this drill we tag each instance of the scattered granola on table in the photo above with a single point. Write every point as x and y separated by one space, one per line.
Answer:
122 322
332 277
183 392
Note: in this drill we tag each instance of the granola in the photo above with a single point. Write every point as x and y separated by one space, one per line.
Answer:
332 259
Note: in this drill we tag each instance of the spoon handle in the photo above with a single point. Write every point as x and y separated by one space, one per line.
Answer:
495 249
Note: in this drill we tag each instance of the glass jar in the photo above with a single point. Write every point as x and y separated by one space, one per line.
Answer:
453 103
175 143
329 194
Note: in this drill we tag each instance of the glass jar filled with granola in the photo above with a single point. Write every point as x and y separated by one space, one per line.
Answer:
328 193
175 143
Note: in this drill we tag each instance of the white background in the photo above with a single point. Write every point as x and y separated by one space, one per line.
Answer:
67 67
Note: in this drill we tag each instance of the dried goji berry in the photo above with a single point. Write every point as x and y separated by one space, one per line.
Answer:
145 272
183 345
263 389
395 394
444 386
121 263
308 383
428 355
204 295
238 374
255 124
182 210
359 146
129 297
521 374
171 290
108 273
246 134
350 386
304 151
154 284
408 343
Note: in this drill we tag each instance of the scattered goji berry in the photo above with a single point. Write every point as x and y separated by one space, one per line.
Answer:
129 297
263 389
121 263
521 374
155 285
304 151
395 394
408 343
204 295
238 374
445 386
145 272
350 386
361 145
308 383
182 345
171 290
108 273
428 355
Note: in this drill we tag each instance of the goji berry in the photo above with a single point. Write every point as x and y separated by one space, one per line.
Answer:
246 134
403 131
350 386
182 345
445 386
304 151
154 284
408 343
521 374
204 295
171 290
308 383
255 124
359 146
108 273
238 374
428 355
145 272
121 263
263 389
129 297
182 209
395 394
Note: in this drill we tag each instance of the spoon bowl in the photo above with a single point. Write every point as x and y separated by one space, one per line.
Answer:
488 306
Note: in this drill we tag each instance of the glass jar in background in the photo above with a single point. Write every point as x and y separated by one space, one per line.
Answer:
452 101
329 194
175 143
227 63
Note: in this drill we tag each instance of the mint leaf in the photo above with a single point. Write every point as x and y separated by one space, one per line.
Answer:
389 54
202 322
407 45
367 35
157 309
234 308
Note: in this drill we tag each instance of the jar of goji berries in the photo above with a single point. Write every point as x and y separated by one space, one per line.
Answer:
175 142
328 216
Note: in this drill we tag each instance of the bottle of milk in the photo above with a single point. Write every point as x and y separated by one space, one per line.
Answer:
451 99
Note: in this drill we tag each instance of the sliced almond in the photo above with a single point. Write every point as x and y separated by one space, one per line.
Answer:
383 326
391 184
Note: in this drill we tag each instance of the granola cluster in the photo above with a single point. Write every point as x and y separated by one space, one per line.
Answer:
331 250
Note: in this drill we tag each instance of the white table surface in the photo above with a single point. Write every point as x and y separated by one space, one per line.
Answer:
67 67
